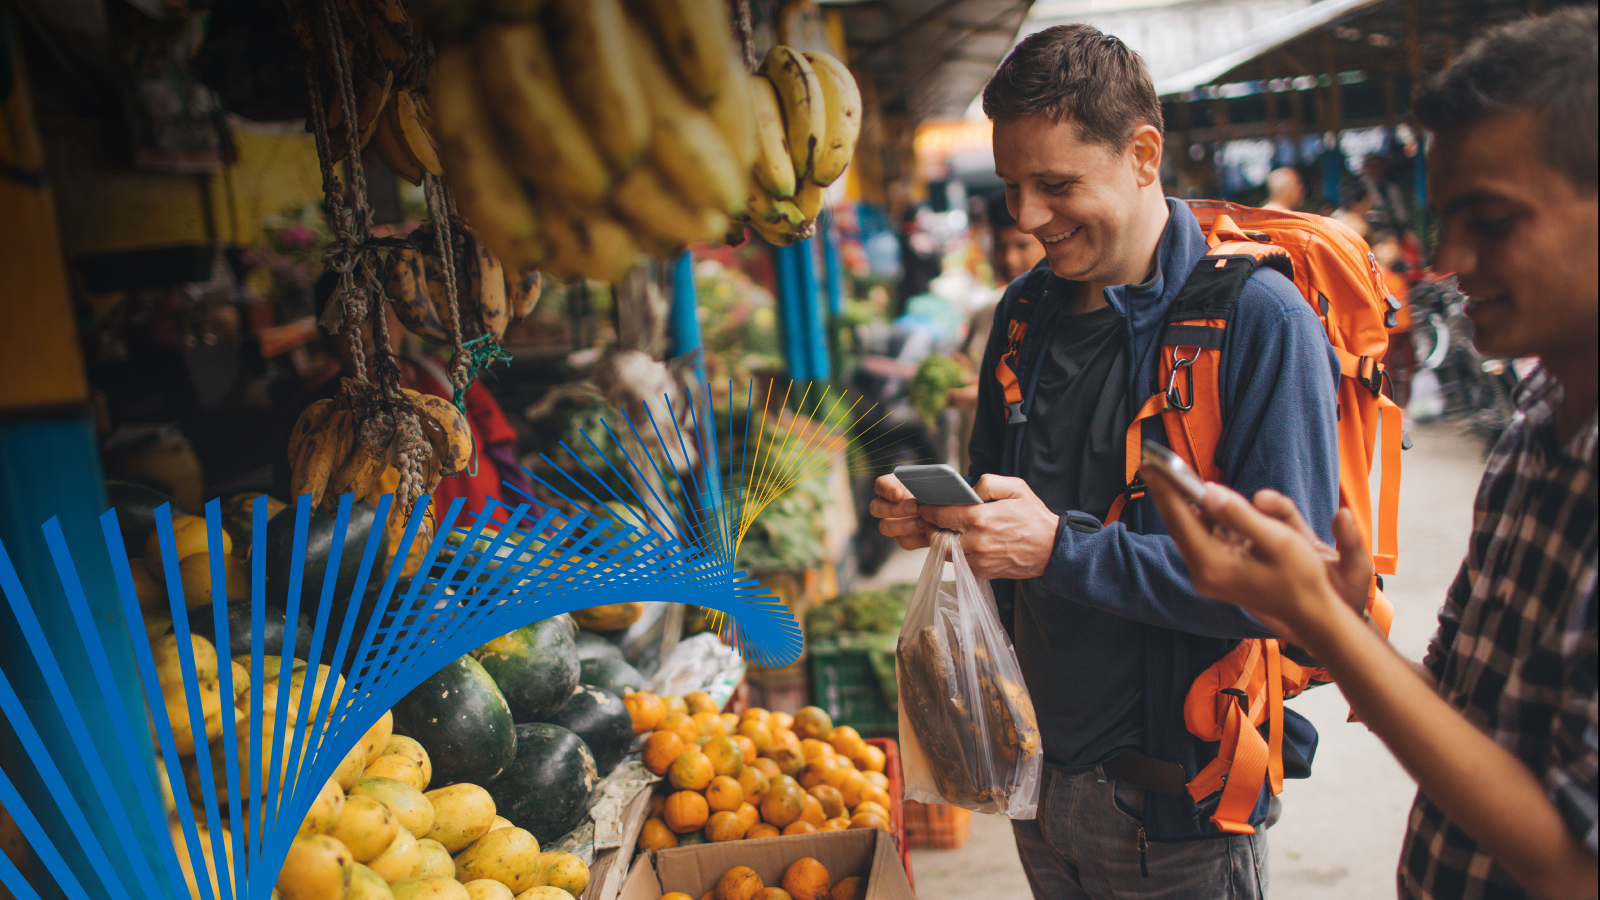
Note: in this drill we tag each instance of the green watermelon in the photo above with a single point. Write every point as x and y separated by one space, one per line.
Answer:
462 720
600 718
240 627
136 512
614 675
319 546
549 787
592 646
536 667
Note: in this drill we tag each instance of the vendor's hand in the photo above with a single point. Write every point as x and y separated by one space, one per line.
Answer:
1238 554
1349 566
1011 537
898 510
964 397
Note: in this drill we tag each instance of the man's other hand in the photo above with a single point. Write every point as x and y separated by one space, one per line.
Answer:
1011 535
898 511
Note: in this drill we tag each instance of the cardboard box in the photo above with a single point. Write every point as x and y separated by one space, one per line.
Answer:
611 866
865 852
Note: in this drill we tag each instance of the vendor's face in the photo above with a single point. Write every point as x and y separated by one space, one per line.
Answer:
1520 237
1016 252
1076 198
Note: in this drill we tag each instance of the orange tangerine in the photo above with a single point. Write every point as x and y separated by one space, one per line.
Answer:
783 720
871 808
811 749
681 725
852 888
874 794
658 805
724 794
656 835
835 824
811 810
761 830
739 883
686 811
724 826
646 709
731 720
807 879
691 771
869 820
830 798
812 722
851 789
749 815
781 735
754 712
699 702
788 758
710 724
726 757
765 766
877 778
661 749
675 705
799 826
757 732
782 807
872 759
754 784
746 746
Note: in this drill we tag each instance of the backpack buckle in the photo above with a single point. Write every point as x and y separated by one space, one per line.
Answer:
1374 381
1174 396
1135 489
1014 414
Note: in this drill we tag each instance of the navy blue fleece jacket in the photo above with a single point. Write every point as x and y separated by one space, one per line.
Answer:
1279 394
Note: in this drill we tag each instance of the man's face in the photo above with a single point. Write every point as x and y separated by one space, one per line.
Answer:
1076 198
1016 252
1519 236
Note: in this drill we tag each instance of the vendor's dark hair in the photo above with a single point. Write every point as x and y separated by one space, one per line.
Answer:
1076 72
1545 64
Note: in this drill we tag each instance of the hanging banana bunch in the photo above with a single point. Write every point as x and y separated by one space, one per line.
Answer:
577 134
808 116
488 295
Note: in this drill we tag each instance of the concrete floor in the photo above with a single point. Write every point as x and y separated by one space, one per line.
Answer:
1340 834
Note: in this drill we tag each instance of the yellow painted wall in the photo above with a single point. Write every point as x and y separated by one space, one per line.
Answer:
106 205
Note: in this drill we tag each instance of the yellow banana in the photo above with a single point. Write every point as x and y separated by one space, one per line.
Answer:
685 141
590 244
773 212
773 167
406 284
774 235
311 420
323 450
483 184
553 149
414 130
356 475
841 103
522 291
645 201
801 93
371 97
456 453
385 25
808 199
697 40
391 145
734 113
598 71
494 310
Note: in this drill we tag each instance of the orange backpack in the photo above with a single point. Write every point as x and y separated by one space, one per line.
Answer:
1339 277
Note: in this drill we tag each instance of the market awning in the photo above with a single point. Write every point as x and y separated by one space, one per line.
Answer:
1273 35
929 58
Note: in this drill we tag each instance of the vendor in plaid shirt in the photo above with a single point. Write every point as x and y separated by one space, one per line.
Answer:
1500 729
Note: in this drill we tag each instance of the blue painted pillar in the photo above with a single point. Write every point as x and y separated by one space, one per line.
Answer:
812 320
790 327
686 338
833 271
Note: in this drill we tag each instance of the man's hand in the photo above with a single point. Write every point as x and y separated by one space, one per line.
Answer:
1349 567
898 510
1011 537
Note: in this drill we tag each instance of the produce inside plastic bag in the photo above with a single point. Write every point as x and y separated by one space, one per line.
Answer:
968 733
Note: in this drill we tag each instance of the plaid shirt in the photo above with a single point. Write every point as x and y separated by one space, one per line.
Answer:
1515 651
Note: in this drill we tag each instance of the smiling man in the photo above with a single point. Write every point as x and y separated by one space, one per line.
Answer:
1107 627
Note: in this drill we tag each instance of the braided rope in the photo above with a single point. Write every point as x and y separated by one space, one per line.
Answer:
746 33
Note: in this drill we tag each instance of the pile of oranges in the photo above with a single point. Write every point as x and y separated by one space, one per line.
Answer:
760 774
806 879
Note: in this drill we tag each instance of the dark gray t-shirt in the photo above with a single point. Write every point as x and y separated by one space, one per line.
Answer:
1083 666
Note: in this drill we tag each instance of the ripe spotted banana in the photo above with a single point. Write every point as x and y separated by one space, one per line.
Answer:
457 451
774 166
494 310
414 130
323 450
590 244
391 146
801 93
598 71
384 23
480 179
773 213
407 288
646 201
356 475
371 97
734 113
522 291
841 103
311 419
686 143
697 40
808 199
553 149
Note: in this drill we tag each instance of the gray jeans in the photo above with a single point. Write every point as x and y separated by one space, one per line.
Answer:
1088 844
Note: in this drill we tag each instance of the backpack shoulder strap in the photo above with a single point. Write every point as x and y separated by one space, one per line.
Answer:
1190 364
1019 310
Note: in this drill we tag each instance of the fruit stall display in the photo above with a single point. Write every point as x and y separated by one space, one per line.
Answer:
757 774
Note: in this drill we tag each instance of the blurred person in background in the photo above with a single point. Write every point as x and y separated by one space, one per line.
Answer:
492 435
920 262
1500 723
1354 205
1285 189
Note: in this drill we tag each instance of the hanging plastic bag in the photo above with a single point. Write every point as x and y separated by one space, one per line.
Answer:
968 733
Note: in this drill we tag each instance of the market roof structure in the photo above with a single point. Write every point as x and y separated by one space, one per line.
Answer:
929 58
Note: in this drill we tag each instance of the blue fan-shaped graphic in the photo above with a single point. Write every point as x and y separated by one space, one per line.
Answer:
478 577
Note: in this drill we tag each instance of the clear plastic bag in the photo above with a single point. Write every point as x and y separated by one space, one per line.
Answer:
968 733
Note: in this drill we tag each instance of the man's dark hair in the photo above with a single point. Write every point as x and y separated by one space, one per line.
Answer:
1076 72
1546 65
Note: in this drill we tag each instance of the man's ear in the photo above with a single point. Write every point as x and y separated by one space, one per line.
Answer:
1144 152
